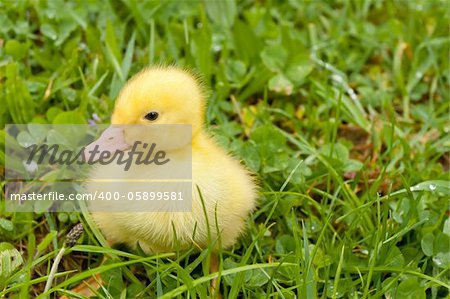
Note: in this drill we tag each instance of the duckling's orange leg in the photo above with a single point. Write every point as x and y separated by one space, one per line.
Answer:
86 287
214 267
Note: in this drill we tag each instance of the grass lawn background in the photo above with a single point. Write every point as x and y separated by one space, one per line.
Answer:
339 107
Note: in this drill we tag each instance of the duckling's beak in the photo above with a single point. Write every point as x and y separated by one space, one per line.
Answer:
111 140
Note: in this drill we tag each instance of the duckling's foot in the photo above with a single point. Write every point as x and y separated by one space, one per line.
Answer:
214 267
87 287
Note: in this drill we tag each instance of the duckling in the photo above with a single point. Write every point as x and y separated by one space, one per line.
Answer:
169 95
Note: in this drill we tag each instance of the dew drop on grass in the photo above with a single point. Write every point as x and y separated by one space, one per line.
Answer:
337 78
331 291
438 261
432 187
31 167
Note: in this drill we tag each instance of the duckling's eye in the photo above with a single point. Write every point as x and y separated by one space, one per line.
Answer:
151 116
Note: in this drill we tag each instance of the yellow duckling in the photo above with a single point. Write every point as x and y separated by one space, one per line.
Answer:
167 95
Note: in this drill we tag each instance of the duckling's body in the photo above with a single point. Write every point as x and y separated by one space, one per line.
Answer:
227 188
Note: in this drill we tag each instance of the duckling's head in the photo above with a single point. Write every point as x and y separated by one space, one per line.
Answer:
161 95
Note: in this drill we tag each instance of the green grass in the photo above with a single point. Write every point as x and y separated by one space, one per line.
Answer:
339 108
